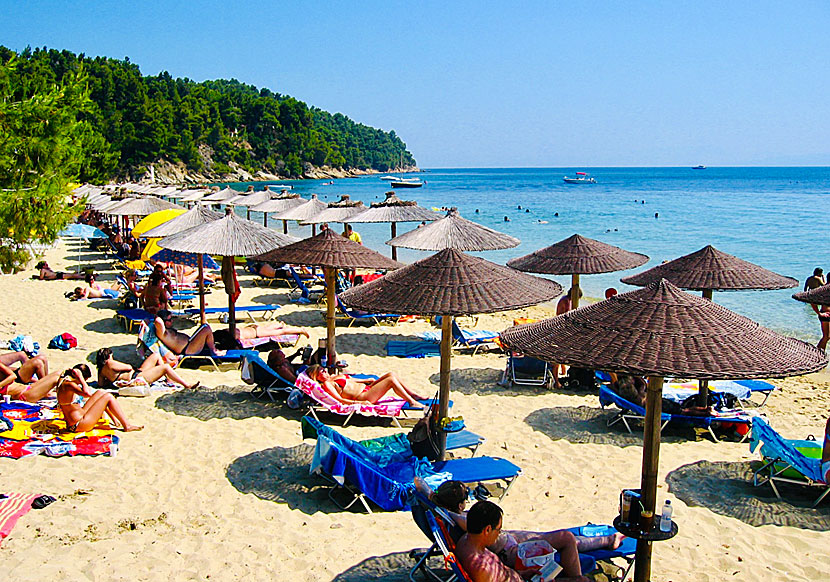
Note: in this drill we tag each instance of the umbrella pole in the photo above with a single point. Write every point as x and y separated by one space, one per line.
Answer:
651 456
331 355
703 385
444 384
248 216
285 227
202 317
265 219
574 290
231 300
313 229
394 234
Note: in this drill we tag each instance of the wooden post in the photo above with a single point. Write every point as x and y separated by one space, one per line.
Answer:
703 385
285 227
313 229
574 290
331 352
444 384
202 316
394 234
651 462
265 219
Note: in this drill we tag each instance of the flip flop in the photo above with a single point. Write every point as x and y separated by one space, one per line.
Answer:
42 501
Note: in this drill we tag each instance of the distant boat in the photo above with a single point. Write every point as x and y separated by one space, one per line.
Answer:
389 178
581 178
698 167
406 183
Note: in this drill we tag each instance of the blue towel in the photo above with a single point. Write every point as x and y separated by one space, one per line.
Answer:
412 349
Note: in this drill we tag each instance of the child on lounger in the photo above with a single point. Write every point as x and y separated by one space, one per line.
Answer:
82 418
349 390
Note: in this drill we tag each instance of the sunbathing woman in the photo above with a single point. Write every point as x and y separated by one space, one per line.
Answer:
349 390
154 297
453 495
201 342
20 384
111 370
270 329
95 291
82 418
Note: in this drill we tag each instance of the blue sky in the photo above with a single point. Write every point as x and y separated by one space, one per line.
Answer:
498 84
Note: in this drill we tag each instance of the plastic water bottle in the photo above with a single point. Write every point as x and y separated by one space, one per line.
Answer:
665 519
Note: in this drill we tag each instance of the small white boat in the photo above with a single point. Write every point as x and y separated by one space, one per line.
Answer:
701 167
406 183
581 178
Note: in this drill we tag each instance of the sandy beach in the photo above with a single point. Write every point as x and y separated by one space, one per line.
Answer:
216 486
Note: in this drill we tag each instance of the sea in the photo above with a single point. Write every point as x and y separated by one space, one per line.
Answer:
773 217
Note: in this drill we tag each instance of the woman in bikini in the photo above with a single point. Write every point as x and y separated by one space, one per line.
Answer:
201 342
269 329
154 297
20 384
349 390
79 418
111 370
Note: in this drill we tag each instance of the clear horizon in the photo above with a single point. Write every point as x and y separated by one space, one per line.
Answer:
481 85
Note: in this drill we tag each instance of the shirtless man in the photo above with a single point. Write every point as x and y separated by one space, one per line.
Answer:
47 274
201 342
484 523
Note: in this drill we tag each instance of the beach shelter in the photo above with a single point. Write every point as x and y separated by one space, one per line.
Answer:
337 211
222 195
184 220
575 256
281 203
454 232
394 210
450 284
817 296
330 251
230 236
141 206
153 220
661 331
304 211
249 199
193 195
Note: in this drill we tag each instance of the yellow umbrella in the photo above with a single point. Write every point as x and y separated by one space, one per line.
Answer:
151 249
155 219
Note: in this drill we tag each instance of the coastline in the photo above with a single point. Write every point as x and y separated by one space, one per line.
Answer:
217 487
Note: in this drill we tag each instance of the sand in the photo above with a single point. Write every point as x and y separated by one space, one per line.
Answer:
216 487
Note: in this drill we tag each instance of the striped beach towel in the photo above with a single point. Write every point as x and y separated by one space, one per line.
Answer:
13 508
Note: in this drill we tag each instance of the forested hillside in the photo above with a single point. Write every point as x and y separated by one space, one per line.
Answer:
136 120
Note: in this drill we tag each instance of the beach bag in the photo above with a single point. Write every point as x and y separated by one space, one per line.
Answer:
423 438
64 341
134 387
581 379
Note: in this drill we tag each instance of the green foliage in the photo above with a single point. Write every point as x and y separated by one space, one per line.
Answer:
46 142
145 119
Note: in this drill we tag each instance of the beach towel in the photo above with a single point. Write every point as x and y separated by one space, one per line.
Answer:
412 349
13 507
385 407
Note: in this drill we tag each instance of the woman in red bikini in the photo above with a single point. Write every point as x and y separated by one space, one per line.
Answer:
82 418
349 390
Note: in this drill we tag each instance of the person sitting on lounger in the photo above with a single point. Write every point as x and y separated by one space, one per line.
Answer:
47 274
95 291
29 382
155 297
153 368
634 388
79 418
349 390
453 495
200 343
488 554
282 364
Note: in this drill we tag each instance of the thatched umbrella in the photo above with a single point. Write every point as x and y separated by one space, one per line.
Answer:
817 296
194 195
304 211
249 199
337 211
281 203
231 236
141 206
454 232
330 251
450 283
708 270
577 255
222 195
395 210
660 331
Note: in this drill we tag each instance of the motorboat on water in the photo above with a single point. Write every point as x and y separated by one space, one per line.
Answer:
581 178
701 167
406 183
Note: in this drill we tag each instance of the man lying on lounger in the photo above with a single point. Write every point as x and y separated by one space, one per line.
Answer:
200 343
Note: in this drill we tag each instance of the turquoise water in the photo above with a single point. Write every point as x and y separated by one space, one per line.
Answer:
769 216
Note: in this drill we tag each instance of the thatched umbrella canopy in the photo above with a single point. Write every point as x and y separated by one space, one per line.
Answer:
656 332
337 211
197 215
578 255
222 195
194 195
817 296
454 232
450 283
395 210
141 206
708 270
231 236
281 203
330 251
249 199
304 211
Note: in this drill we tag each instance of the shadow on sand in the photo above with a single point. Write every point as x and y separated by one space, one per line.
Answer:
726 488
585 424
281 475
234 402
392 567
483 381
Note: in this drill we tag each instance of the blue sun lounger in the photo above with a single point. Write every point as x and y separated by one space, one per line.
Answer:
268 311
387 479
784 462
630 411
353 316
267 381
230 357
